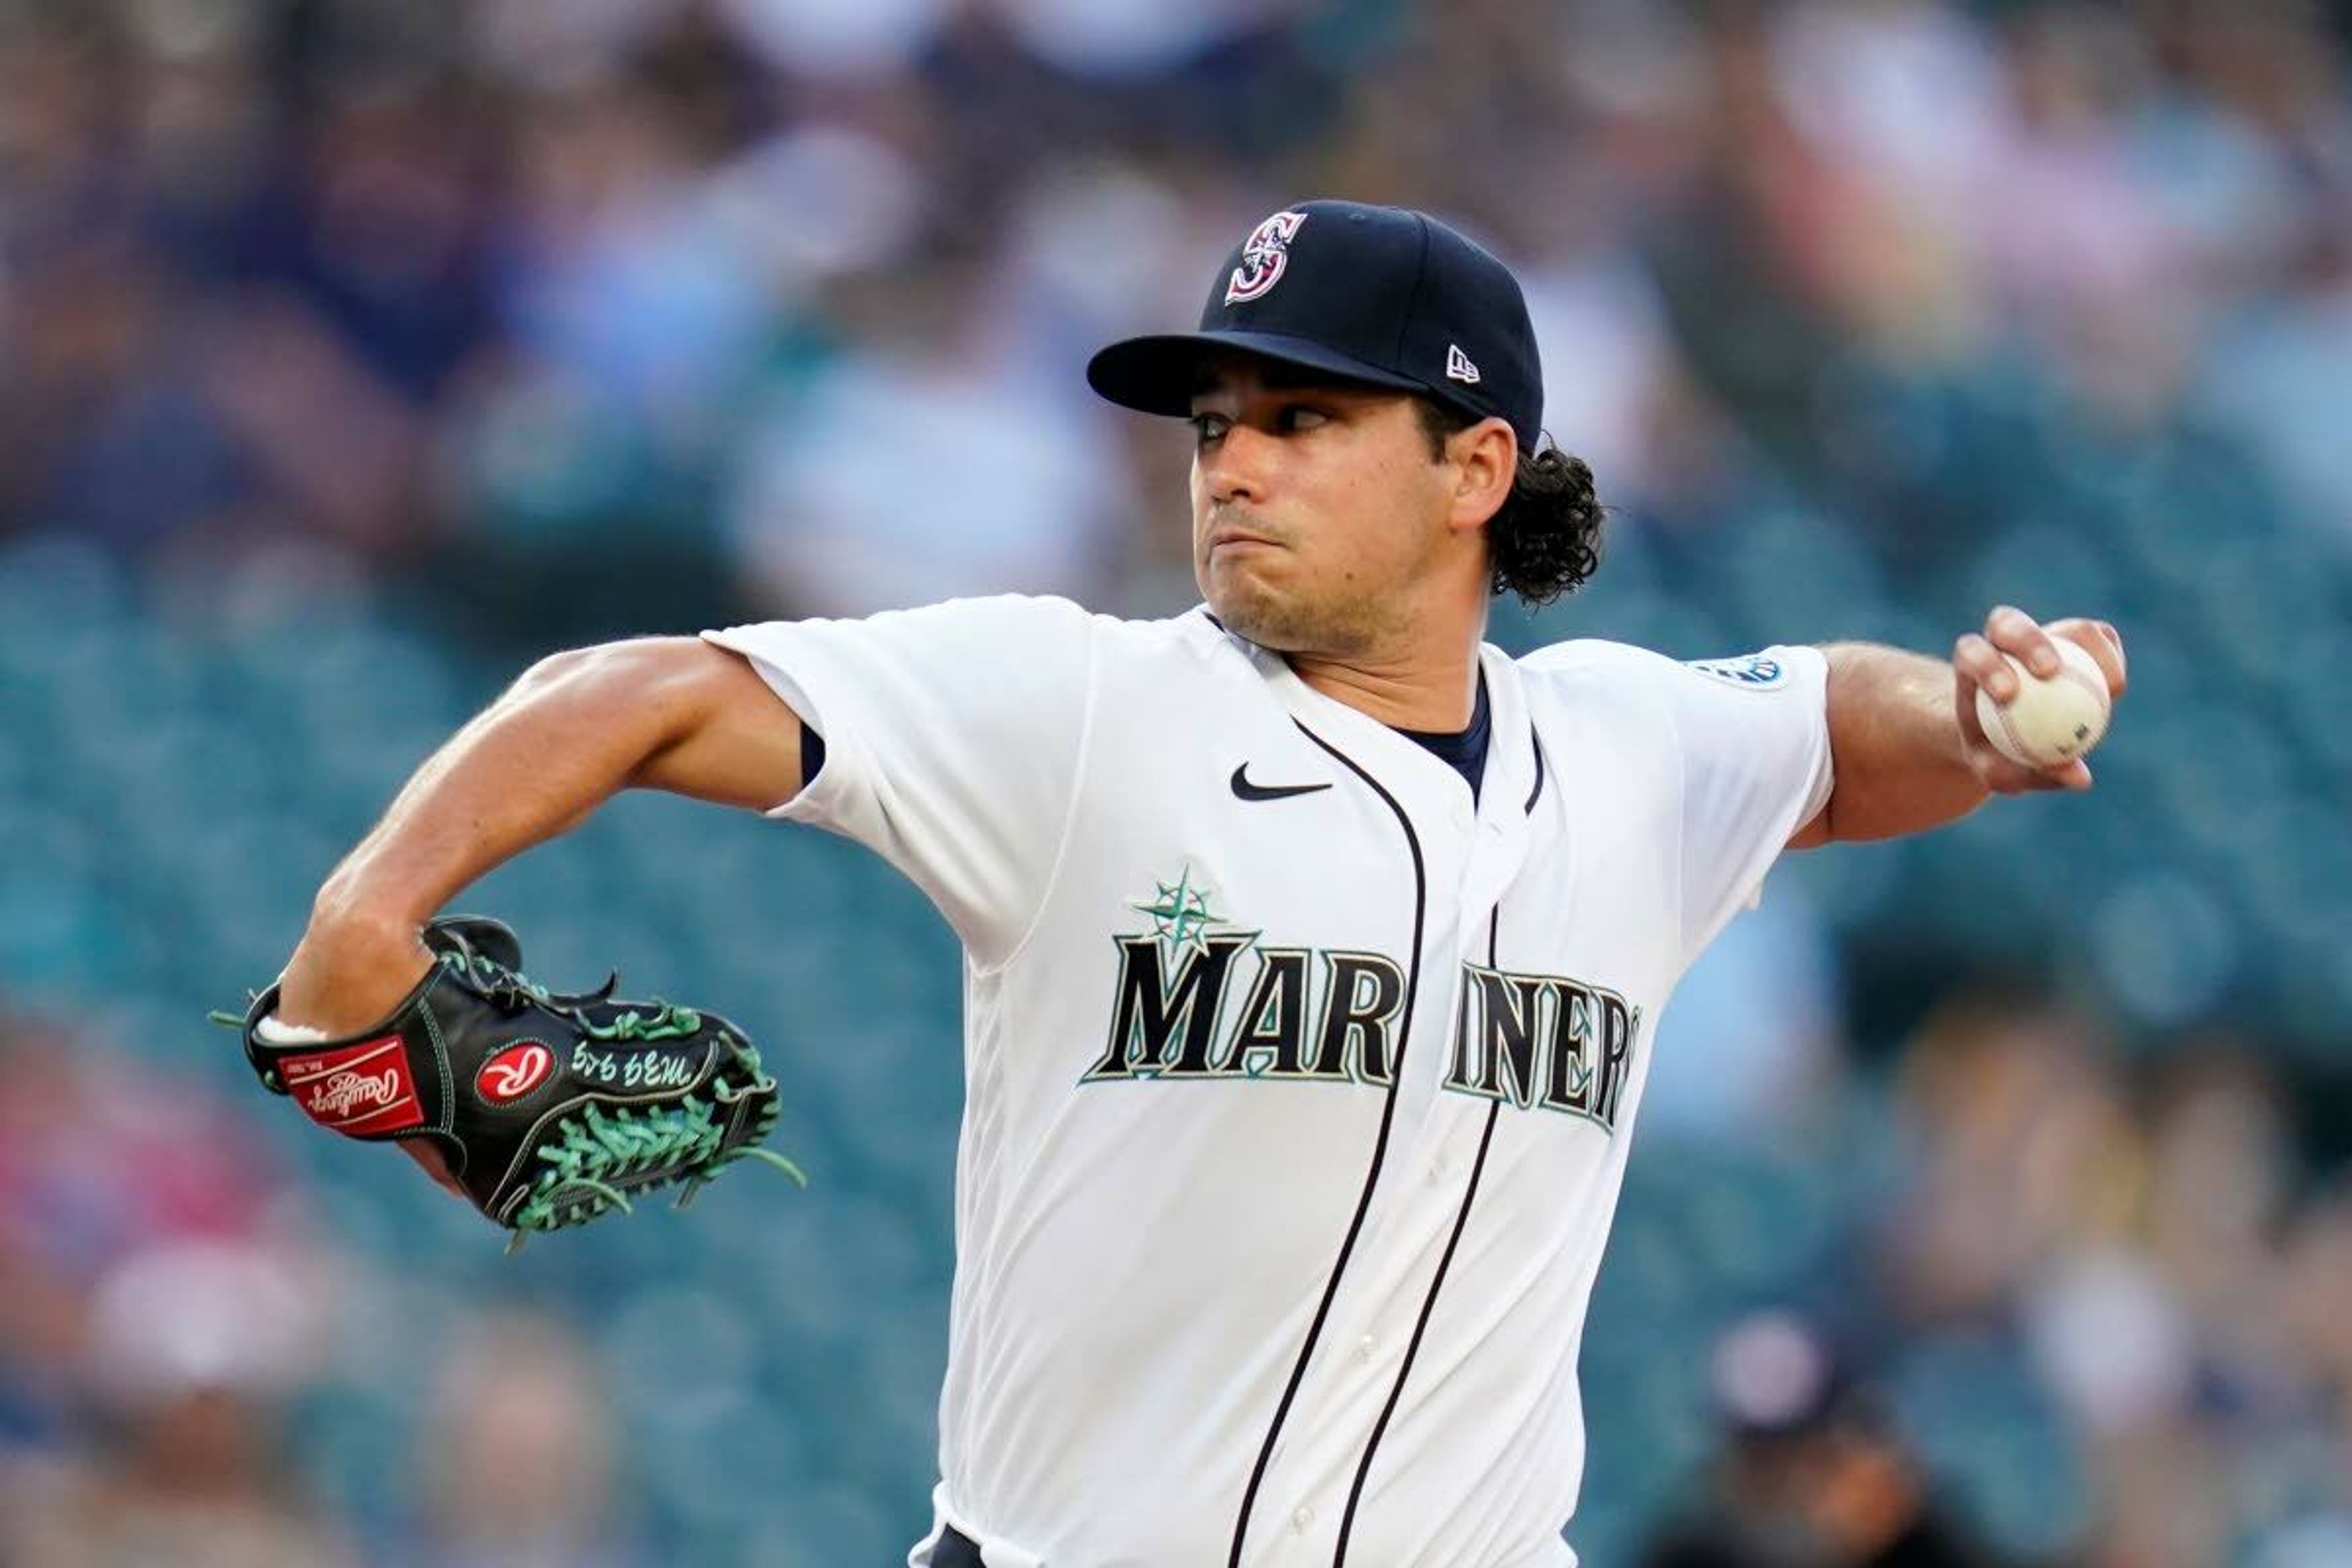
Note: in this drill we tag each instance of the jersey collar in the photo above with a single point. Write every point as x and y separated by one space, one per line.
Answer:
1508 793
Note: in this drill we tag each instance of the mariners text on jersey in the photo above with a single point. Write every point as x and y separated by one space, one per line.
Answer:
1307 1014
1299 1089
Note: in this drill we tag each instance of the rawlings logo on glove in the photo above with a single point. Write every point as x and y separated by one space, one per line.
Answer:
360 1089
514 1072
576 1101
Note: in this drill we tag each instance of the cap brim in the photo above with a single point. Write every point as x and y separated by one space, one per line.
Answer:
1162 373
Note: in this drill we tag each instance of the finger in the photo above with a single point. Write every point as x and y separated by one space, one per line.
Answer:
2103 643
1980 664
2012 630
2002 774
2002 777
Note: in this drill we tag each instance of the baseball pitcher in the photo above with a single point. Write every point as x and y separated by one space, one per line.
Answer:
1313 949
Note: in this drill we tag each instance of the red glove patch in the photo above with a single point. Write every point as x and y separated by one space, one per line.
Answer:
357 1090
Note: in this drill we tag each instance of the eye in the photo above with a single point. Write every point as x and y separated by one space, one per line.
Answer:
1209 427
1297 416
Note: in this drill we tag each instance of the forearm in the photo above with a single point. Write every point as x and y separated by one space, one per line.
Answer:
576 729
505 781
672 714
1902 764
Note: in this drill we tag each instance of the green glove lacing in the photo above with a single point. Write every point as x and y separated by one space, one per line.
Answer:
595 1152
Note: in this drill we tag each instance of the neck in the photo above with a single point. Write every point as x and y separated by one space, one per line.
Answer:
1433 694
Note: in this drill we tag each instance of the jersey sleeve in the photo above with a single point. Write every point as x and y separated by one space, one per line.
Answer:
951 742
1755 743
1748 740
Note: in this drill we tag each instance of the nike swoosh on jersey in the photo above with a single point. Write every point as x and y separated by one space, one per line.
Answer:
1248 791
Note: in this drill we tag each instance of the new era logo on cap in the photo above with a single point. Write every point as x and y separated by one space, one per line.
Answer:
1371 294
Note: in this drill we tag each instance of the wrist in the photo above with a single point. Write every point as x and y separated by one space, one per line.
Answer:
353 929
352 966
351 901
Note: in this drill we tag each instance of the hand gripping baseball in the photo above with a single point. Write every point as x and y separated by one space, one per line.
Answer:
550 1108
1983 663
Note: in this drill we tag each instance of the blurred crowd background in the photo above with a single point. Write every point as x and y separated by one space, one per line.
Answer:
354 352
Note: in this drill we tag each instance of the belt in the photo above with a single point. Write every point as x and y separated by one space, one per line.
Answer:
954 1549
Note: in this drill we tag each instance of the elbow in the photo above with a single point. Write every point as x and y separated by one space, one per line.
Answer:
672 714
655 692
573 667
629 671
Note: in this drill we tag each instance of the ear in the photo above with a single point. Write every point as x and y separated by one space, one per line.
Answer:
1483 460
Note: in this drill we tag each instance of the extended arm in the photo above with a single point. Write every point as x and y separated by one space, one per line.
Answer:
1905 743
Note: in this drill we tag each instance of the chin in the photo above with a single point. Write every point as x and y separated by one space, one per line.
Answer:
1247 610
1271 621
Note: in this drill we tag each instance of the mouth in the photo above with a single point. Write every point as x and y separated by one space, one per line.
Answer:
1229 538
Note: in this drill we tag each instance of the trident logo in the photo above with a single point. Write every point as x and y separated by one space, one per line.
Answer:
1263 256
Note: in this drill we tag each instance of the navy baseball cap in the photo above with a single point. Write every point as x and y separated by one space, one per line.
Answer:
1384 296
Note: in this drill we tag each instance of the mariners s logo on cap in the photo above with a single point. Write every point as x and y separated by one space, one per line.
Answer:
1378 297
1263 256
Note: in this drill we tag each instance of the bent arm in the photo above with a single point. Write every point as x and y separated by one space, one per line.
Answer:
668 713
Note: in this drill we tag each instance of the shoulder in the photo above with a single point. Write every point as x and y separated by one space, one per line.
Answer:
1592 663
1195 630
1009 620
1598 698
1008 611
1591 666
1025 640
1195 639
1586 656
1693 708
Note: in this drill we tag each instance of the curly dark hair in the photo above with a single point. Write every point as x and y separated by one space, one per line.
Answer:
1545 541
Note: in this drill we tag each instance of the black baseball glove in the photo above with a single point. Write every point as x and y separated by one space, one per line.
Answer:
550 1108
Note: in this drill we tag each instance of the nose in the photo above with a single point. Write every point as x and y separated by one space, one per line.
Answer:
1237 468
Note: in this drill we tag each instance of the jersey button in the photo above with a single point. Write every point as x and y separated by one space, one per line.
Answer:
1302 1519
1363 1352
1438 1167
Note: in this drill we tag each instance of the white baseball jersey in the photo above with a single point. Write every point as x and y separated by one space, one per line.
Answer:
1299 1092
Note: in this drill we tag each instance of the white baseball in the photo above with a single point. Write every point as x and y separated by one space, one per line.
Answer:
2050 722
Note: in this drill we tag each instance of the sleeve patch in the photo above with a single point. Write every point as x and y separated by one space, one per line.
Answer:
1755 671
